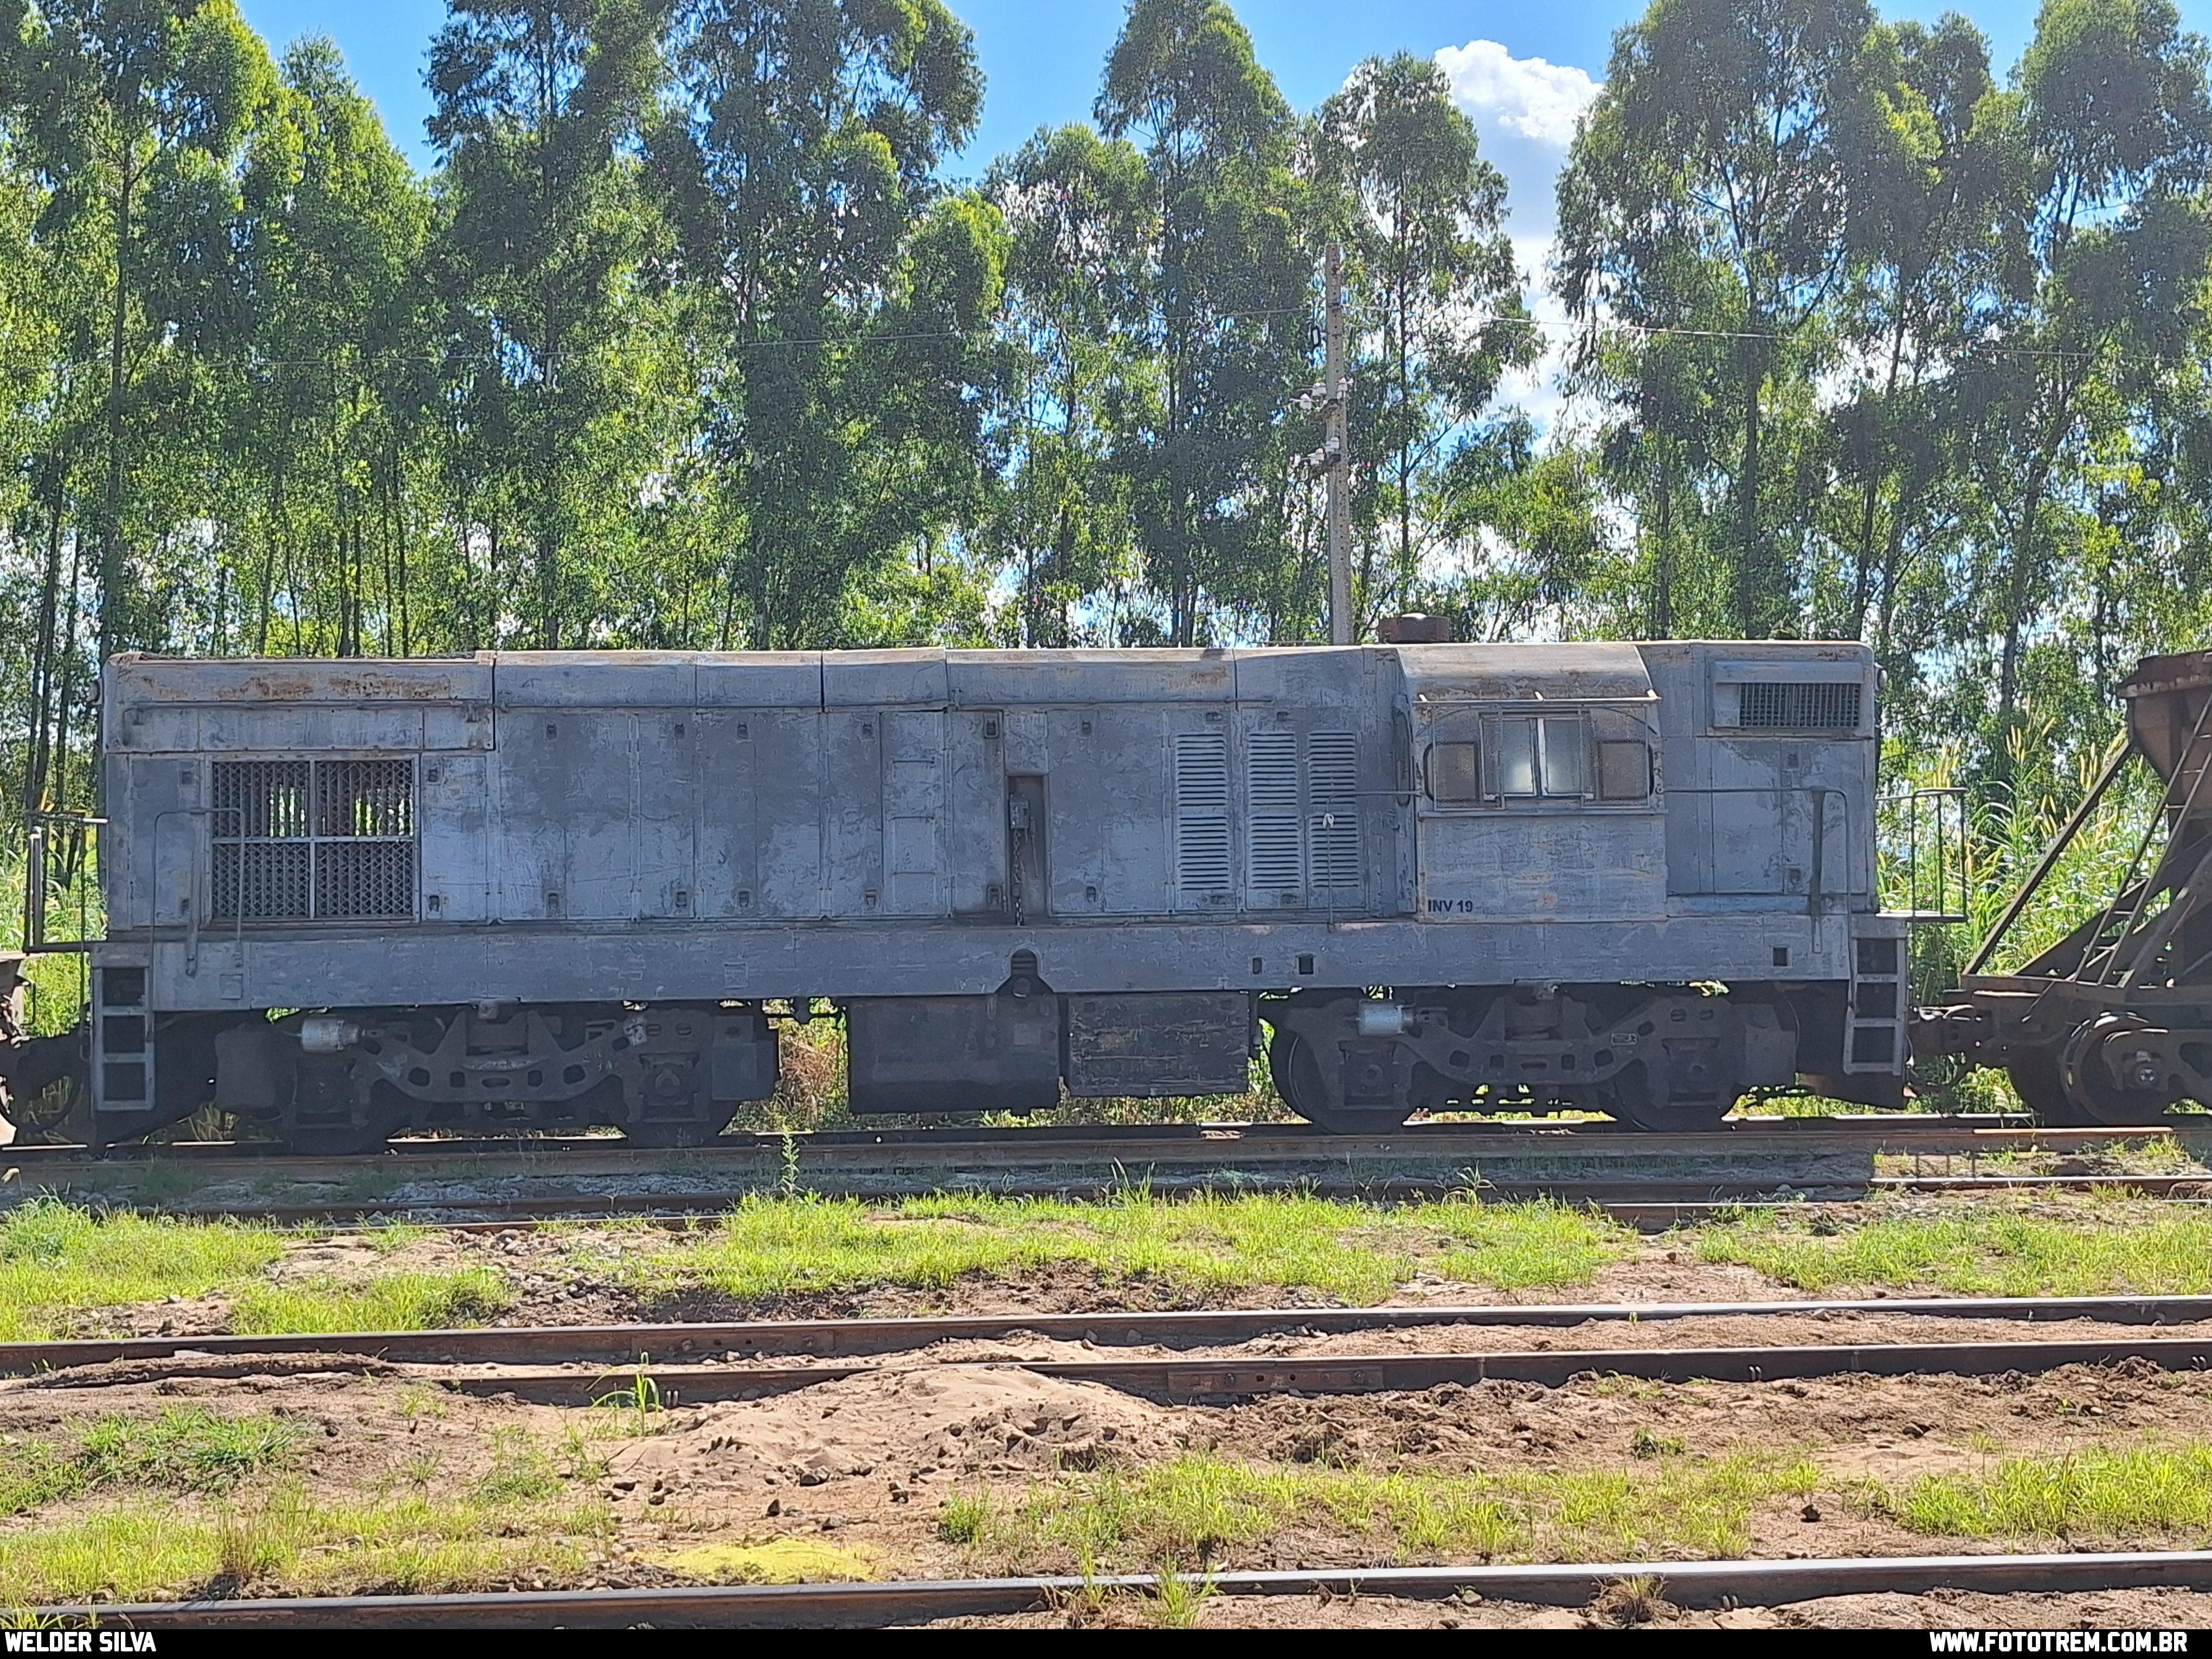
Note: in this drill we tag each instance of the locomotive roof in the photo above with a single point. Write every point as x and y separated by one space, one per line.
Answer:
790 679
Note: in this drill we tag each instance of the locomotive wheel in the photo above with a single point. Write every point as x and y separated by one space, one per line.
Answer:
1630 1099
1296 1067
684 1116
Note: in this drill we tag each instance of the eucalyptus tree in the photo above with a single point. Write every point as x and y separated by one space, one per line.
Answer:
129 113
1078 212
1436 298
324 405
1933 236
850 292
539 107
35 417
2113 125
1227 299
1707 193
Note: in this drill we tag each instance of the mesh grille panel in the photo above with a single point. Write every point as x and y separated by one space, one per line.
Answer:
302 840
1798 705
263 879
365 878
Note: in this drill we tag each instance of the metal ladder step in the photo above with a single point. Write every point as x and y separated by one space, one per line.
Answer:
1873 1025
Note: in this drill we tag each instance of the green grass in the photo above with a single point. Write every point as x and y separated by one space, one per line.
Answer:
1207 1242
187 1449
56 1262
287 1544
1199 1509
2108 1244
405 1301
2100 1494
529 1515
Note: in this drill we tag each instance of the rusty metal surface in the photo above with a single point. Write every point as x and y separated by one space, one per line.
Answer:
626 1343
876 1606
1180 1380
1201 1379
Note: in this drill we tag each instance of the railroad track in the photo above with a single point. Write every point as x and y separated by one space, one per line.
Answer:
572 1366
875 1605
1649 1179
569 1365
1655 1204
1908 1131
1193 1328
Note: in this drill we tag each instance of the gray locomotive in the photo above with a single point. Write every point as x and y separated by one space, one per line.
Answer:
543 890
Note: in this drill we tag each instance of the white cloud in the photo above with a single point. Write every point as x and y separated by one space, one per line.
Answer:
1525 110
1536 100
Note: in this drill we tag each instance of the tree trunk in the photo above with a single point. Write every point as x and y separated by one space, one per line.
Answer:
43 666
112 619
1751 553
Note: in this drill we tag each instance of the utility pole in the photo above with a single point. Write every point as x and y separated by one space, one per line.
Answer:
1339 451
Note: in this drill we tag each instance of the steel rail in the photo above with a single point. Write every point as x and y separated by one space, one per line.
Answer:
1186 1380
1915 1130
1655 1203
627 1343
875 1605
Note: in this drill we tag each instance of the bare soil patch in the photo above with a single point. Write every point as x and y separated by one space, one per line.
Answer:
870 1460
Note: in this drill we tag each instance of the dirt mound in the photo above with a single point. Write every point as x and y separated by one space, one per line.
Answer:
900 1421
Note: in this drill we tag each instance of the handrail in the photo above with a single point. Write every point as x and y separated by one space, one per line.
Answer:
1910 800
38 850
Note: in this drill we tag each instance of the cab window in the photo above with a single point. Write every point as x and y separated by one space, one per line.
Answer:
1543 758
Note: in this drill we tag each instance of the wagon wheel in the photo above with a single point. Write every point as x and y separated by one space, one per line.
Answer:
2035 1075
2088 1086
1297 1069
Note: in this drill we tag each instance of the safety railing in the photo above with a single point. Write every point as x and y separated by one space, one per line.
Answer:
1926 858
60 859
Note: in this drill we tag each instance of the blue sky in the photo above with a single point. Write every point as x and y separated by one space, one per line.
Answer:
1522 71
1042 60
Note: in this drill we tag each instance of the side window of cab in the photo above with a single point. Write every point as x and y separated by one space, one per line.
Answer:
1503 759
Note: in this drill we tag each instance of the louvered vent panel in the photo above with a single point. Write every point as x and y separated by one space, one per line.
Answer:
1800 706
1202 798
1333 809
1275 863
